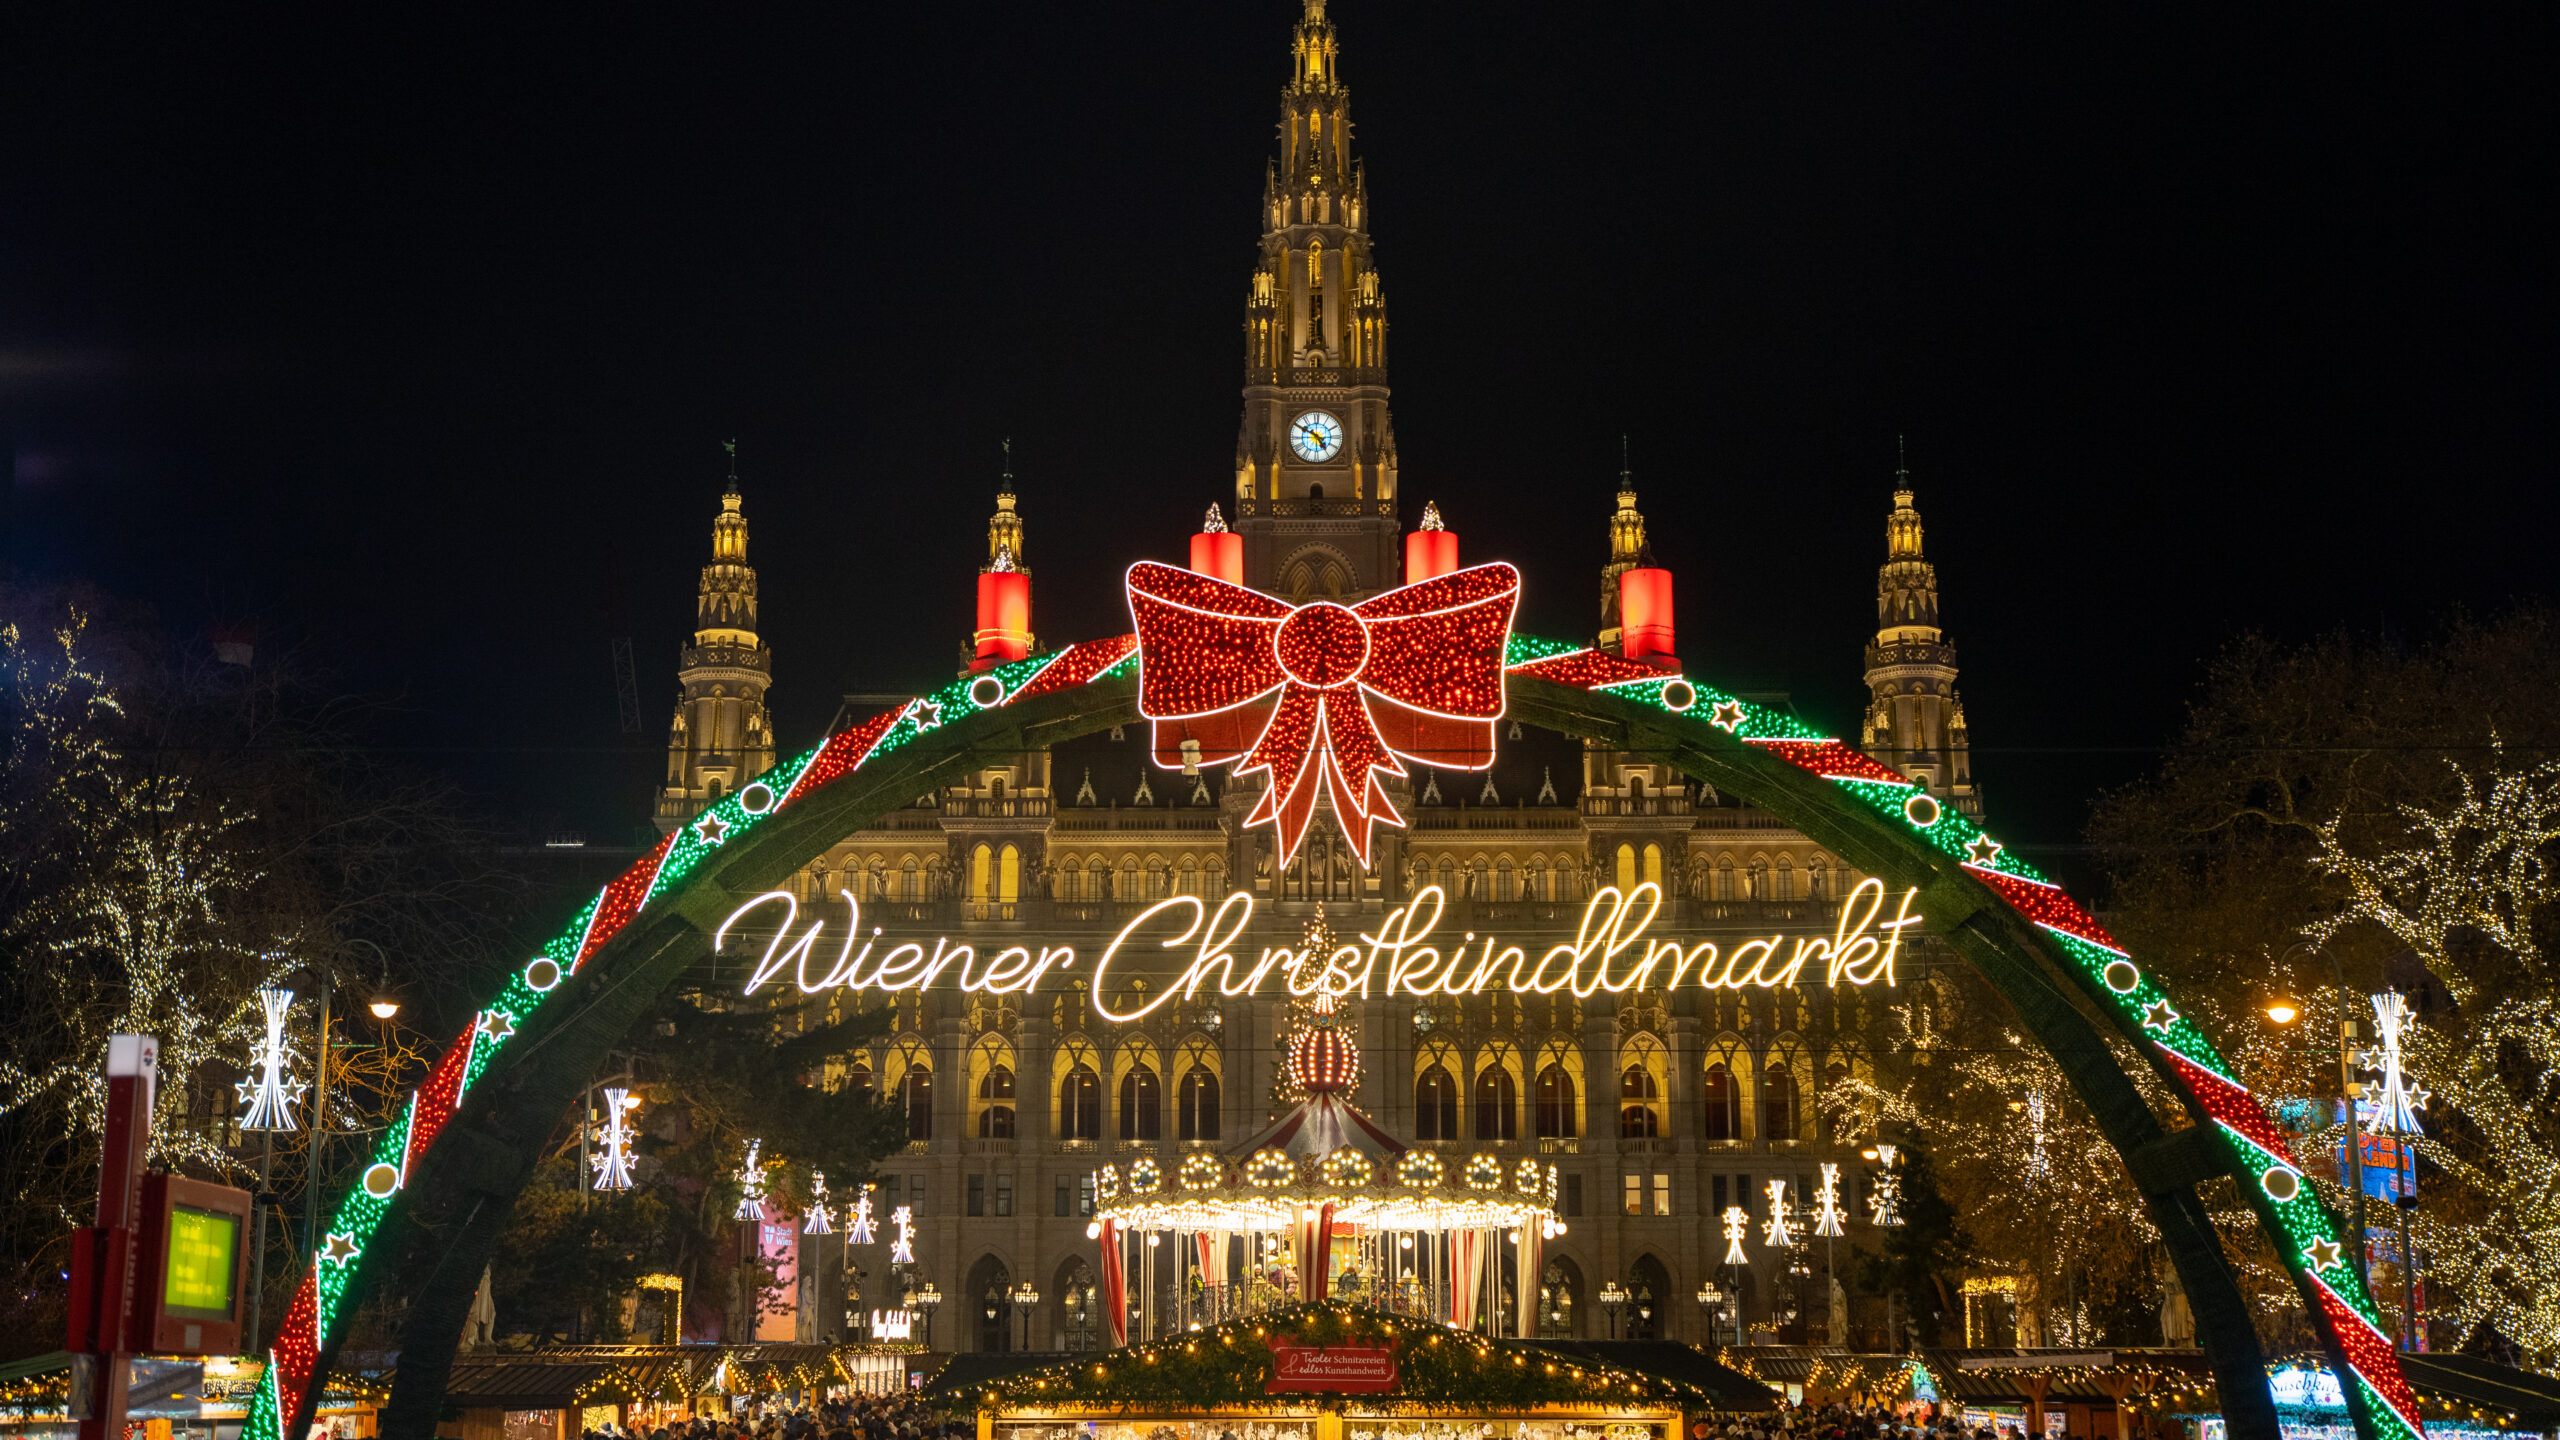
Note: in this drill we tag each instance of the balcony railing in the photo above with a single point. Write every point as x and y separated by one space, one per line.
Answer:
1560 1145
975 1146
1632 805
1644 1145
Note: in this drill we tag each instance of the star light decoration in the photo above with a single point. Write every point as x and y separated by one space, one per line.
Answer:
902 1251
1884 1202
1736 1221
1727 716
2394 1108
751 1183
612 1160
818 1222
271 1094
712 829
1778 1232
859 1227
1828 1217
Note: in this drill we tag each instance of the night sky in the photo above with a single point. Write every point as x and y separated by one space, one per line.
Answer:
398 331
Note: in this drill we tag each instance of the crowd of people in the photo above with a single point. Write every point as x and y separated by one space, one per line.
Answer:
1853 1422
863 1417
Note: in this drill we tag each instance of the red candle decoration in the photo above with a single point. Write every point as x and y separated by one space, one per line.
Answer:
1644 613
1431 550
1219 553
1004 618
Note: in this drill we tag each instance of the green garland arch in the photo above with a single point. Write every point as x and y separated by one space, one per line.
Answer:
462 1152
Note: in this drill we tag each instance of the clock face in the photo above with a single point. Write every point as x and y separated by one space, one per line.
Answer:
1317 437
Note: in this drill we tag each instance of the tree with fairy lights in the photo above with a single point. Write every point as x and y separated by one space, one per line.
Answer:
2462 885
1316 943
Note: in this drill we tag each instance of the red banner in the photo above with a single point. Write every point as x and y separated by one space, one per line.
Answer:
1340 1369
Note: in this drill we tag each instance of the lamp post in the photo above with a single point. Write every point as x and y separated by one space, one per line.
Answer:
2283 1011
1076 1315
1611 1298
924 1300
1710 1300
1024 1298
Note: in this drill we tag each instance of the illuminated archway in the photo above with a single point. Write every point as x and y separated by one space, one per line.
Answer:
464 1149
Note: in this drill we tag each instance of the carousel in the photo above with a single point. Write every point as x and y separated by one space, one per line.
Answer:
1322 1205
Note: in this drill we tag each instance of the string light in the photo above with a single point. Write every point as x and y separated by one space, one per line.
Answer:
1737 1221
860 1228
612 1160
1884 1200
818 1223
750 1178
1778 1233
902 1251
1828 1217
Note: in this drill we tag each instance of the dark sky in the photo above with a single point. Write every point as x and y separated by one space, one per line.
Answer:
391 329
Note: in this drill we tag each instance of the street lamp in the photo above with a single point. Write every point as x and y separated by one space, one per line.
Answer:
1024 1297
1709 1300
925 1299
1611 1298
2350 1090
2283 1010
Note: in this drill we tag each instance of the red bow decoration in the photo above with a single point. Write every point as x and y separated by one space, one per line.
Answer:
1302 690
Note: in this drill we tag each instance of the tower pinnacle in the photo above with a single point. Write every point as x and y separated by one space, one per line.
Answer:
1915 720
722 734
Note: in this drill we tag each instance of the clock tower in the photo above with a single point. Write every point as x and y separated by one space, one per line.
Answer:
1316 453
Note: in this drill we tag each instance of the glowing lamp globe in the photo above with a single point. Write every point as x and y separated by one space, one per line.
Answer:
1323 1061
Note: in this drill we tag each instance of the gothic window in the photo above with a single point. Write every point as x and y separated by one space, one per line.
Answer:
910 881
1724 878
1723 1104
1835 1077
1817 879
1198 1105
981 871
1505 883
1555 1104
1653 865
1080 1104
1141 1104
1784 886
995 1122
1538 885
1435 1105
1190 872
1778 1104
1448 876
858 1079
1009 875
1638 1119
1156 880
1626 867
1497 1104
916 1091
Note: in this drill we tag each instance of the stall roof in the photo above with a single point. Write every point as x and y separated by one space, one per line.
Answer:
1669 1361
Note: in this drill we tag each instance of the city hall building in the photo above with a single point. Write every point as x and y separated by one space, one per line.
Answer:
1660 1110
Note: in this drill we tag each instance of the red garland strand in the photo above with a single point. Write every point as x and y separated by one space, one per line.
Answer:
621 900
2229 1103
2046 905
844 751
2370 1352
1832 761
1078 666
1589 669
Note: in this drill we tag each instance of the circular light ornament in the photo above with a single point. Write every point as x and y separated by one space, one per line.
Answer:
1106 1182
1270 1168
2121 976
382 1180
1093 1230
1484 1172
1321 645
1347 1168
542 974
1202 1172
1145 1175
756 799
1421 1169
986 692
2281 1182
1525 1179
1678 696
1323 1061
1922 809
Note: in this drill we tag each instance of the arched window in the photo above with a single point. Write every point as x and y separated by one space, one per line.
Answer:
996 1121
1435 1105
981 869
1536 887
1497 1104
1653 864
1835 1076
1626 867
1080 1104
1198 1104
1448 877
1817 880
1784 886
1637 1119
910 881
1156 880
916 1090
858 1079
1555 1104
1724 878
1778 1104
1190 873
1141 1104
1008 875
1723 1103
1505 883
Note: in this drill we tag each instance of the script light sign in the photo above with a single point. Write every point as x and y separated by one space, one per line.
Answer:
1332 1369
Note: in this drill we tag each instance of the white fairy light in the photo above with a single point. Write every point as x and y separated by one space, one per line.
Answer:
612 1160
271 1093
902 1251
859 1227
751 1183
1736 1221
818 1222
1828 1217
1778 1232
1884 1202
